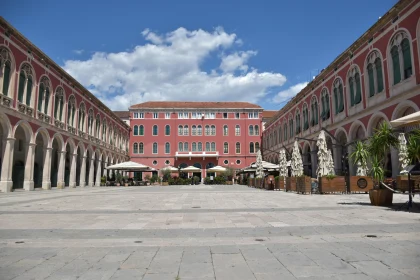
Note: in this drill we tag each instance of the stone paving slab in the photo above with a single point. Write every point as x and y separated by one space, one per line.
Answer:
203 233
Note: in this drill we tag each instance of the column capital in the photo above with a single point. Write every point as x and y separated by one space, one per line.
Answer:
31 144
10 139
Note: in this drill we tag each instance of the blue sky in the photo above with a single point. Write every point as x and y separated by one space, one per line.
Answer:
128 52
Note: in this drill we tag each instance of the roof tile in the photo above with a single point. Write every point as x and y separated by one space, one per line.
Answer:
194 105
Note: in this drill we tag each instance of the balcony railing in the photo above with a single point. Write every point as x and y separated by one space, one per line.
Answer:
202 154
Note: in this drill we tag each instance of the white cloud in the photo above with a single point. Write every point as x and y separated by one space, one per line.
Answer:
169 67
236 61
78 51
285 95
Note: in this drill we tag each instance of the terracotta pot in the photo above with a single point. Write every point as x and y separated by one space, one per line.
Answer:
381 197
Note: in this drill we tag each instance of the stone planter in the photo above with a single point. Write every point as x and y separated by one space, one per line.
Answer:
291 184
334 185
381 197
402 183
360 184
303 184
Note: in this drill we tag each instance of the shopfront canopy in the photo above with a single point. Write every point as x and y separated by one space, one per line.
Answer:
410 120
129 166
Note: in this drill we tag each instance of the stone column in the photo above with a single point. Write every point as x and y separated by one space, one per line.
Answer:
98 174
314 163
83 173
6 182
91 171
72 183
46 175
61 167
28 183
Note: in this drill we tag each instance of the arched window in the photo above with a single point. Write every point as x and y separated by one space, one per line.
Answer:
225 130
407 67
401 57
257 146
199 130
186 149
207 146
155 130
194 130
5 68
257 130
44 95
325 100
238 147
226 148
279 133
194 147
180 147
59 104
207 130
167 130
71 110
200 147
90 122
213 146
82 116
355 88
237 130
338 96
251 130
25 85
141 130
186 132
297 117
251 148
155 148
167 148
213 130
104 130
141 148
135 148
136 130
375 83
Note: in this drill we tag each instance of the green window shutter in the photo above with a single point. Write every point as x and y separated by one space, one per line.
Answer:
141 130
408 69
358 97
22 79
61 110
327 100
351 86
316 113
379 77
29 91
336 100
47 101
56 104
323 106
6 78
396 65
40 96
340 93
136 130
72 115
371 80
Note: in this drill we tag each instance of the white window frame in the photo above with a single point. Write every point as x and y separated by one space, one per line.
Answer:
167 115
155 115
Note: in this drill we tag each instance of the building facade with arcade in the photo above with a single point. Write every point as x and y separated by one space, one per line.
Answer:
200 134
53 131
375 80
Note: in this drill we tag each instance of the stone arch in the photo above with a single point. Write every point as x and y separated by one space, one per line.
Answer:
41 172
6 143
27 129
373 121
57 161
5 126
23 156
340 151
354 131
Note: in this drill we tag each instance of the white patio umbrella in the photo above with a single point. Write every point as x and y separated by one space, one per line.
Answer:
412 119
190 169
217 168
296 161
129 166
260 169
323 168
170 168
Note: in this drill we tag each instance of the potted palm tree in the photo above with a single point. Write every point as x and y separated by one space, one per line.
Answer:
379 146
360 155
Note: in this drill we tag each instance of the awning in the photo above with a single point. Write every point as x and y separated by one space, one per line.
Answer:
129 166
191 169
217 168
412 119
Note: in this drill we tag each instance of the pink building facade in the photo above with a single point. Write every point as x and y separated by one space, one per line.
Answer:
201 134
375 80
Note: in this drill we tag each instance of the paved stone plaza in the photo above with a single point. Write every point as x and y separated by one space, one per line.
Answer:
203 232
